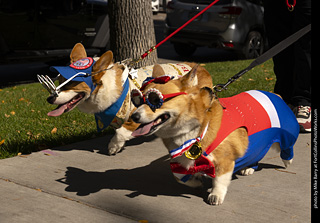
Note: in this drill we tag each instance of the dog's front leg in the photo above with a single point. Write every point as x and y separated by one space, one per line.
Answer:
220 186
122 135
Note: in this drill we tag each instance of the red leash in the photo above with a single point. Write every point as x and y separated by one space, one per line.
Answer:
168 37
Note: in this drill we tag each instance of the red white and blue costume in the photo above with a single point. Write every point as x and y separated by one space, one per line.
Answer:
267 119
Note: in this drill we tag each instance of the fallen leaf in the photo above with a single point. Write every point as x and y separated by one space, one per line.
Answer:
12 112
24 156
254 185
269 79
54 130
21 99
2 141
7 116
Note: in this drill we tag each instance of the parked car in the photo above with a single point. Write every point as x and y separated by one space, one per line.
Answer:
229 24
37 34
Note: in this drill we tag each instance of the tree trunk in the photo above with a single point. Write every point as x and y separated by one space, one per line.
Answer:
132 30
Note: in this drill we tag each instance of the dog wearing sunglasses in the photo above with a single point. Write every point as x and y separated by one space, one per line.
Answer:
213 137
101 87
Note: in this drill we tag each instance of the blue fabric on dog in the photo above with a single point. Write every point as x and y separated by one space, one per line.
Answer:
103 119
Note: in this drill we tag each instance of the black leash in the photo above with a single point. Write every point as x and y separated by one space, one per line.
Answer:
266 56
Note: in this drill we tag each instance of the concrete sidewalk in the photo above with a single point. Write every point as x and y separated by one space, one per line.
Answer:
77 183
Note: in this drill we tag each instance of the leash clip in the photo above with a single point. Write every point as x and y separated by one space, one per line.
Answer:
291 6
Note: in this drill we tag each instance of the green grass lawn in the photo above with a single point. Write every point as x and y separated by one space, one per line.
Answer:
25 126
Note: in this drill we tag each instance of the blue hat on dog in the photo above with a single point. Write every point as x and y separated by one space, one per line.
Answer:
82 67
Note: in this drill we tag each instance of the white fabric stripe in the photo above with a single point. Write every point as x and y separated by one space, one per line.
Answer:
182 147
268 106
178 175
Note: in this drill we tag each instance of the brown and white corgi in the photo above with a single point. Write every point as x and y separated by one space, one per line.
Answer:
96 86
209 136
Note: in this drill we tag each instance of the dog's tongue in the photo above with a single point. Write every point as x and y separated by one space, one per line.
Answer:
58 111
142 130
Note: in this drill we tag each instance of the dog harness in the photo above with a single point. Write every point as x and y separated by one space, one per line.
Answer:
267 120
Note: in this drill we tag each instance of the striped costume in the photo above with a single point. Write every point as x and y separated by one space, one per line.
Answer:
267 119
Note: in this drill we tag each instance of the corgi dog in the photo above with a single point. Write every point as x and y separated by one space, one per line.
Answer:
214 137
101 87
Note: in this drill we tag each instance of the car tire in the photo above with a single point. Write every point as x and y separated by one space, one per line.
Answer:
254 45
184 50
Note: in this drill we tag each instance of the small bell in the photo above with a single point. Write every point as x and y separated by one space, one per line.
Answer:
194 152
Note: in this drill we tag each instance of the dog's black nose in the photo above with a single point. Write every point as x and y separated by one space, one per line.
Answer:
51 99
136 117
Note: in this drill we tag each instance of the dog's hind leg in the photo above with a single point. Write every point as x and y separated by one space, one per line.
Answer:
122 135
284 154
247 171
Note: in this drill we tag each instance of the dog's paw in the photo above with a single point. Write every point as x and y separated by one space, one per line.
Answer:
113 149
287 163
118 140
215 199
247 171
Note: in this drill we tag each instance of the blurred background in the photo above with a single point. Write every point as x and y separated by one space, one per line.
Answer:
36 34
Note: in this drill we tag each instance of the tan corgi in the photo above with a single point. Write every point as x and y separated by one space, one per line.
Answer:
209 136
101 87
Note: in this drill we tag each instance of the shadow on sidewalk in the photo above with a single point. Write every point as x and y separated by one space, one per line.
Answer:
152 180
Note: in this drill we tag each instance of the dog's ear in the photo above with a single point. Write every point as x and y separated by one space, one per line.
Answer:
78 52
190 79
207 95
157 71
104 61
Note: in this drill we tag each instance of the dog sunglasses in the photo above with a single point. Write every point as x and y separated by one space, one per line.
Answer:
153 97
